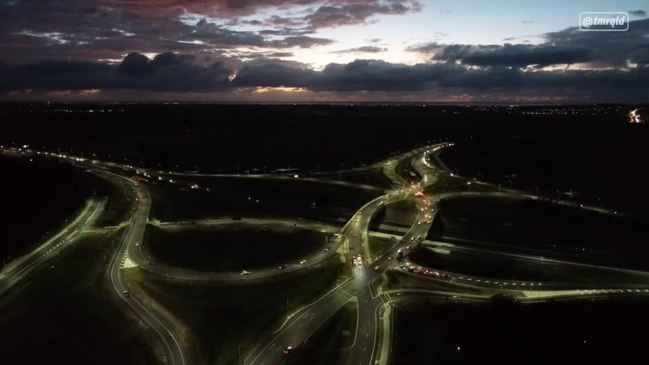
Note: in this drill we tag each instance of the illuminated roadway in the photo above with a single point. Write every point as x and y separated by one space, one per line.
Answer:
21 267
301 326
353 241
132 237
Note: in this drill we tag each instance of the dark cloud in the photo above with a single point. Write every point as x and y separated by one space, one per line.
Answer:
170 72
286 32
638 13
357 12
337 13
211 7
364 49
230 8
523 55
619 61
519 55
301 41
568 46
374 75
105 29
274 75
611 49
165 72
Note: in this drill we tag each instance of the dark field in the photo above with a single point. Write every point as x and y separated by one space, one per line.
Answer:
330 343
371 176
38 197
400 213
226 319
602 165
408 172
119 203
232 247
379 245
527 224
67 316
583 332
399 280
502 267
258 197
239 138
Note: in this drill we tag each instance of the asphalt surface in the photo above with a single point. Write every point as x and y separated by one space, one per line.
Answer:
23 266
353 241
299 328
133 236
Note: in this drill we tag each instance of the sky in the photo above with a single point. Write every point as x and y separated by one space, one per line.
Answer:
460 51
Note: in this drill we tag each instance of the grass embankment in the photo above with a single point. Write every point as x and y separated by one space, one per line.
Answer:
225 321
66 313
583 332
233 246
330 343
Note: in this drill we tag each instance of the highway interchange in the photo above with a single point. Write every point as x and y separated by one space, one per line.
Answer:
351 244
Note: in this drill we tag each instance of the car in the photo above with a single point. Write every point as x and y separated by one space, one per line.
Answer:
326 249
288 350
281 267
302 262
377 267
126 293
244 272
389 258
408 247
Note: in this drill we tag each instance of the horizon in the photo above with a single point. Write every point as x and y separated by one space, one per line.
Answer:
309 51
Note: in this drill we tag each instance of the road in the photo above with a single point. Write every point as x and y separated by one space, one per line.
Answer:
299 328
353 242
133 235
23 266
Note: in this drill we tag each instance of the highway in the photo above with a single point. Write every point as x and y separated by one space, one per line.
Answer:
299 328
371 338
133 235
622 274
23 266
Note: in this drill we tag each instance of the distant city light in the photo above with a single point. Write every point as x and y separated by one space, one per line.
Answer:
634 116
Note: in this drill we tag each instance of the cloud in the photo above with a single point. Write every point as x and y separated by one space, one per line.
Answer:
618 64
211 8
518 55
357 12
524 55
638 13
364 49
338 13
375 75
169 72
274 75
567 46
165 72
611 49
302 42
108 29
